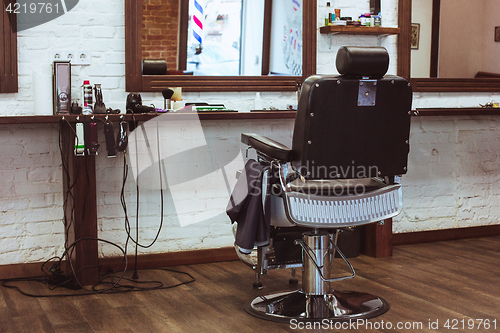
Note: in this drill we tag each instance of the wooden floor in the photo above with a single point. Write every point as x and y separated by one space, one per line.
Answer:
456 281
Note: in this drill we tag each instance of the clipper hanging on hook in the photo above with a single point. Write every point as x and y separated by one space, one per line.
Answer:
109 135
79 138
93 143
122 136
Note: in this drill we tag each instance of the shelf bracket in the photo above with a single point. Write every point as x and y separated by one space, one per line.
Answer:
379 39
330 35
330 38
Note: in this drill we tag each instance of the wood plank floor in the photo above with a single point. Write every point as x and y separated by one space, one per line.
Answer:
424 283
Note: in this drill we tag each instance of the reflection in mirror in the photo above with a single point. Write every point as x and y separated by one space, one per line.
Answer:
161 31
228 38
421 42
461 32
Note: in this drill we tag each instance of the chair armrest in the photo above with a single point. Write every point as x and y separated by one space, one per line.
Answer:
267 146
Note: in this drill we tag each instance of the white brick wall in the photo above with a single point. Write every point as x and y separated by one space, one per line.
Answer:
453 174
31 193
452 180
192 203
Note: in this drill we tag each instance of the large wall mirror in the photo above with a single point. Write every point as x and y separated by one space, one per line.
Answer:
209 45
453 47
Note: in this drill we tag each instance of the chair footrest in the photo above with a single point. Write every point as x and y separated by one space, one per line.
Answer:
319 211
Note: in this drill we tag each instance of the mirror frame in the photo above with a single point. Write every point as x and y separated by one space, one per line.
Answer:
440 84
136 82
8 52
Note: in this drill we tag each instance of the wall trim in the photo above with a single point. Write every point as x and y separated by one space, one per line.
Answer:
445 235
145 261
228 253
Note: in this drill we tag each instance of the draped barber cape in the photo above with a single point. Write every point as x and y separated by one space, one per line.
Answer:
249 206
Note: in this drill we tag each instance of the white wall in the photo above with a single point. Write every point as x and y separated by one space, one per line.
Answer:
421 57
31 194
491 49
327 51
452 172
462 53
459 45
251 40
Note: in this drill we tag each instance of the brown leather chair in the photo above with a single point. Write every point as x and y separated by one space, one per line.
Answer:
350 147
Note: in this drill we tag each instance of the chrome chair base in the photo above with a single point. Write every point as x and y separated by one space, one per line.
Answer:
335 306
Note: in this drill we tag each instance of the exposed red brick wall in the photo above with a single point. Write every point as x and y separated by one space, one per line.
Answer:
160 27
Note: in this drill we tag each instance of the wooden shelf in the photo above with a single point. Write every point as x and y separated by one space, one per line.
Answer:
456 112
147 116
455 85
70 118
420 112
352 30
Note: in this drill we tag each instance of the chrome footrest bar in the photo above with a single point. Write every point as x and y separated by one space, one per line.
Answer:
310 254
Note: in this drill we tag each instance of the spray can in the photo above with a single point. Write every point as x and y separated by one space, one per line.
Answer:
87 97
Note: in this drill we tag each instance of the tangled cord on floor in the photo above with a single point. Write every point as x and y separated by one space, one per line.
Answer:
110 282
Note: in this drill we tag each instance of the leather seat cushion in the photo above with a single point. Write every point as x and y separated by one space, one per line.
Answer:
336 187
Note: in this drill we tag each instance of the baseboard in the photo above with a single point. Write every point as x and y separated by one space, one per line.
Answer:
444 235
156 260
144 261
228 254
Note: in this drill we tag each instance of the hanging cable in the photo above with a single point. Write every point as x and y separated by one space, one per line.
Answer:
127 222
53 276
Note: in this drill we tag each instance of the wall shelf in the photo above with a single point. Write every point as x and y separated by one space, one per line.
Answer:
353 30
146 116
456 112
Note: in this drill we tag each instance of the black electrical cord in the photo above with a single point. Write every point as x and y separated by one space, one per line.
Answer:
135 276
136 241
114 285
64 145
67 228
115 290
127 222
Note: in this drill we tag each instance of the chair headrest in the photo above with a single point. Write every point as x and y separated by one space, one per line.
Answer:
360 61
154 67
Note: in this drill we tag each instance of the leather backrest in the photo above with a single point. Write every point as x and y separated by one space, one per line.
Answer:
337 138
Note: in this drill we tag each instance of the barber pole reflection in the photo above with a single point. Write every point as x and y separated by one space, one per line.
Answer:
198 21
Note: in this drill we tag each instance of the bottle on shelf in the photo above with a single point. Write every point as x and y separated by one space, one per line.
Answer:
87 98
328 15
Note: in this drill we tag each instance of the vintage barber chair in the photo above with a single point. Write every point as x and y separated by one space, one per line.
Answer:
350 147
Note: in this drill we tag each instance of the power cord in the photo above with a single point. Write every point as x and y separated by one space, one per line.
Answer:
117 288
127 222
54 277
